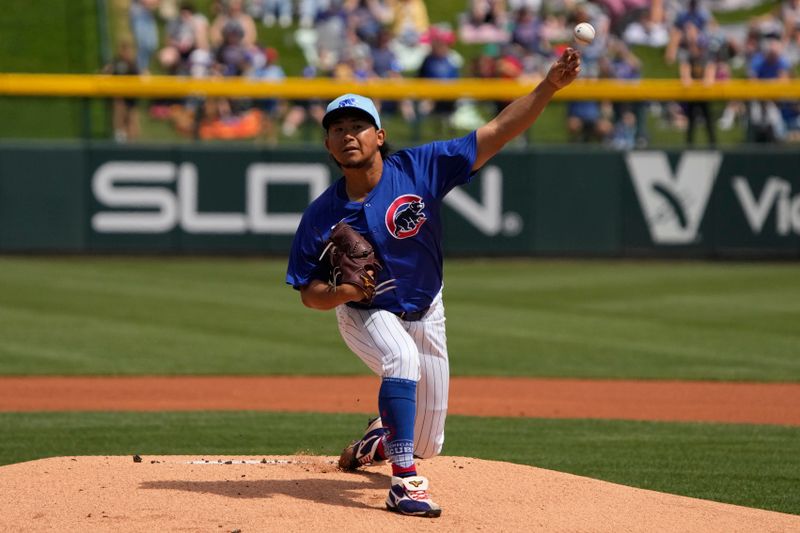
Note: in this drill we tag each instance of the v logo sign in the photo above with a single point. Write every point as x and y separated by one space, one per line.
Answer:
673 205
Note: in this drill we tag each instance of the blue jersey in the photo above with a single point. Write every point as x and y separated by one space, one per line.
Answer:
400 217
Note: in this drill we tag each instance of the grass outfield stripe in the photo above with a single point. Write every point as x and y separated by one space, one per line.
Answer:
590 319
755 466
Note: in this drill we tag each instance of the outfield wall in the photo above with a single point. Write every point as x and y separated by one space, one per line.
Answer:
222 199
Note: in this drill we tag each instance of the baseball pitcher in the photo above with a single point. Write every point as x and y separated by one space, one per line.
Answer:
370 248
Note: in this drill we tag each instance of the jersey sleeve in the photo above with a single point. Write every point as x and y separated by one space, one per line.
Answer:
304 263
447 164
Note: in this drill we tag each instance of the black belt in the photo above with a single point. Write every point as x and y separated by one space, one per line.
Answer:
408 316
413 316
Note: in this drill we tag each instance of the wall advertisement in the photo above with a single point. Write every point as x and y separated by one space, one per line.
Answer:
191 199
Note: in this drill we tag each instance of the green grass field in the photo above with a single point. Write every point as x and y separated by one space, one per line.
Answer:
59 36
603 319
597 319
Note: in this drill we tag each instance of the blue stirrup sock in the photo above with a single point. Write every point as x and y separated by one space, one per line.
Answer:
397 401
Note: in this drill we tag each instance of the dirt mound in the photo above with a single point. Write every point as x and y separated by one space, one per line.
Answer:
306 493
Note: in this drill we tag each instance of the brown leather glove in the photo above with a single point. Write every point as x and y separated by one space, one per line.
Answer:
352 260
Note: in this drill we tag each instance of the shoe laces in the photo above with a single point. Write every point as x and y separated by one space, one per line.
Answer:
418 495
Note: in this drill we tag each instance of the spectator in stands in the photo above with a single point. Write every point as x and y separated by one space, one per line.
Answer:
591 53
331 29
367 18
272 11
224 118
266 66
232 56
201 63
497 62
270 72
145 31
646 30
508 65
301 110
410 19
167 9
185 34
629 117
766 122
696 15
534 67
484 22
440 64
502 62
357 51
385 65
384 60
790 14
534 6
355 62
484 65
308 10
695 63
488 12
125 116
411 49
353 68
233 15
724 50
790 111
587 122
619 12
528 33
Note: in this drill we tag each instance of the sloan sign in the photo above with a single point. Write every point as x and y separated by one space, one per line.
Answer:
159 196
198 199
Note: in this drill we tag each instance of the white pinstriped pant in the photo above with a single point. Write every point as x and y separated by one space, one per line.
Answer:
395 348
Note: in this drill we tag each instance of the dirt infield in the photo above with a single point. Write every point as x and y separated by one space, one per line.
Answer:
755 403
308 494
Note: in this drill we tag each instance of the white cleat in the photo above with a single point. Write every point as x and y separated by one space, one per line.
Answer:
409 496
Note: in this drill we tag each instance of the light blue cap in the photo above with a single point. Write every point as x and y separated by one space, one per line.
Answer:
351 101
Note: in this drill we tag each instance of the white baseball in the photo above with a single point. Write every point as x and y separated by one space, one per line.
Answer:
584 32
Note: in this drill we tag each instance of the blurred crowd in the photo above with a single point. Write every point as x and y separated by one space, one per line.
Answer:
363 39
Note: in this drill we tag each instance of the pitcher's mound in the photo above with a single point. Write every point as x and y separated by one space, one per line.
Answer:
308 493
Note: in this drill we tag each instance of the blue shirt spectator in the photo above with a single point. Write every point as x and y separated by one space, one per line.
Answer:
269 71
766 124
528 33
695 14
587 111
768 66
384 62
438 67
145 31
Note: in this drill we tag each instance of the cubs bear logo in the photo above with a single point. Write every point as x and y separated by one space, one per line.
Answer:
404 218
